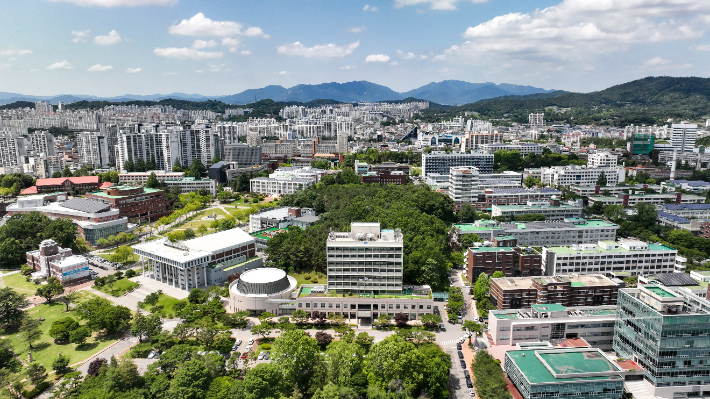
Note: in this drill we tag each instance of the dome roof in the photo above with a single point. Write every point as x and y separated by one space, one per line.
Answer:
263 281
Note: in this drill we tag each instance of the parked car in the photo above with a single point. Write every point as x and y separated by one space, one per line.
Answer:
244 355
266 355
152 355
261 356
466 373
250 342
248 348
471 392
239 342
442 327
460 355
469 383
234 347
458 346
463 364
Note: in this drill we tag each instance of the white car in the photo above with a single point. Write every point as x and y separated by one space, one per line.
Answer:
471 392
251 341
261 356
248 348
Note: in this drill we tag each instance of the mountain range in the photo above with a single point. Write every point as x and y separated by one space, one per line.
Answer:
447 92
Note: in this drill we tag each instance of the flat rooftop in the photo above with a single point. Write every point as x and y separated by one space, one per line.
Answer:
589 280
549 307
146 190
581 311
597 249
661 292
534 365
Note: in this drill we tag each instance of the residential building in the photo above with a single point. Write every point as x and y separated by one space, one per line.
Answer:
142 177
634 198
602 159
365 260
51 260
94 220
552 209
512 261
441 162
134 202
200 261
384 177
553 323
76 185
566 373
42 143
12 150
683 136
279 218
96 148
567 290
242 154
664 331
463 185
627 255
577 175
536 121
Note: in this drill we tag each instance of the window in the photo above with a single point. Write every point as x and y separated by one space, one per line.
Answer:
300 305
308 305
330 305
391 306
337 306
428 306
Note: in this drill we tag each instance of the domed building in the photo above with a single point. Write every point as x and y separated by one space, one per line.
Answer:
264 289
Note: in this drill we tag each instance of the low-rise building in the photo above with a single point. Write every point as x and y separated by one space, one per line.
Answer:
543 234
77 185
140 178
262 290
641 197
51 260
286 180
602 159
384 177
190 184
567 290
552 210
279 217
577 175
554 323
442 162
588 191
513 196
627 255
134 202
512 261
523 148
698 186
698 211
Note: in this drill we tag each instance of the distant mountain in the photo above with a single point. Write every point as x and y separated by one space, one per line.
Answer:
449 92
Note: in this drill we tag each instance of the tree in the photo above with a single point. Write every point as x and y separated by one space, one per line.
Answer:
323 338
646 214
176 166
467 214
95 366
202 229
615 212
122 254
62 328
68 298
602 181
12 304
36 372
262 329
300 316
30 331
498 274
146 326
364 339
191 380
264 381
236 320
401 319
209 333
344 362
67 172
467 240
431 321
472 327
51 289
318 317
336 319
101 314
152 181
394 359
197 168
297 357
531 181
197 296
60 363
189 233
489 379
383 321
80 335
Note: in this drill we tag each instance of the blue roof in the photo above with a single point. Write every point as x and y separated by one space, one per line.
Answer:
691 207
673 218
692 183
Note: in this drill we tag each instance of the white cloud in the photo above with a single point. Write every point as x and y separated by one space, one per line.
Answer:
369 8
347 67
111 38
232 43
394 63
245 52
406 56
318 51
702 47
357 29
657 61
80 35
186 53
133 70
433 4
119 3
662 63
203 44
579 30
283 73
173 73
199 25
13 52
377 58
100 68
423 57
61 65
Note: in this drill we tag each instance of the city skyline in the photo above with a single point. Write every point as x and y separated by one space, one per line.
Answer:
116 47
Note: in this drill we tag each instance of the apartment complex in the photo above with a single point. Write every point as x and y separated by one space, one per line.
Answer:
553 323
96 148
552 210
512 261
134 202
13 150
536 121
627 255
441 162
602 159
242 154
42 143
666 332
365 260
567 290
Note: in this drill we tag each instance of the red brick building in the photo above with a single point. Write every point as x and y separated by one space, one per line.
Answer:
503 257
134 202
77 185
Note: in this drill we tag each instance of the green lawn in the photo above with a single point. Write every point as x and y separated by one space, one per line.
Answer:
19 283
301 277
166 301
131 259
118 287
83 296
45 350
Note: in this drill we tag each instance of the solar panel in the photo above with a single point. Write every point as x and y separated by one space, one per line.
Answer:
673 218
692 207
83 205
675 279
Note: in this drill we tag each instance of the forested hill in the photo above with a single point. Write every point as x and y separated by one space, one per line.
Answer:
651 100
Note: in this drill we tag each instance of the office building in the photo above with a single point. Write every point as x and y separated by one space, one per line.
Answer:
627 255
536 121
509 259
200 261
242 154
553 323
577 175
566 373
683 136
588 191
635 197
190 184
384 177
567 290
365 260
141 178
286 180
218 172
463 185
552 209
563 232
602 159
665 331
441 162
134 202
51 260
524 149
280 218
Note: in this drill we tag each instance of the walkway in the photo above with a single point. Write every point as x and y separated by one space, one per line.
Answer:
156 285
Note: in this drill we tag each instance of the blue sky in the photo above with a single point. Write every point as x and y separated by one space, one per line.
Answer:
114 47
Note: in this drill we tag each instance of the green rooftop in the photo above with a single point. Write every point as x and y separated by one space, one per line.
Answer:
567 362
549 307
597 249
660 291
490 249
146 190
505 238
578 284
504 316
471 227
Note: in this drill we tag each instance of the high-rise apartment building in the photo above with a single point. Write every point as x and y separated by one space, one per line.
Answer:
12 150
242 154
365 260
42 143
441 162
666 332
683 136
95 149
463 185
536 121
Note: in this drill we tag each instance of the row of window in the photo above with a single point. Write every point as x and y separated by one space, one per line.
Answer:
374 306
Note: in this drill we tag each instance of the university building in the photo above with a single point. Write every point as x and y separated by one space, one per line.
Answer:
570 290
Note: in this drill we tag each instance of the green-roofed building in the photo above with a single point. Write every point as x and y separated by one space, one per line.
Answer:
584 373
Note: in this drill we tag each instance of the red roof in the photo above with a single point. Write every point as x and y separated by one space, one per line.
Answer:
106 184
29 190
58 181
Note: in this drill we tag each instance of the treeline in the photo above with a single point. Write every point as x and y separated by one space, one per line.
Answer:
512 160
603 142
24 232
424 217
372 156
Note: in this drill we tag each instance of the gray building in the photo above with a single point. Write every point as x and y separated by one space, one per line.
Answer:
242 154
441 162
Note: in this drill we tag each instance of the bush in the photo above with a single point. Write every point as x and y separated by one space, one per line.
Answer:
36 390
266 347
307 277
140 351
314 281
130 273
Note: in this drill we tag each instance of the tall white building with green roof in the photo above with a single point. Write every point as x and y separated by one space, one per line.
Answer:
633 256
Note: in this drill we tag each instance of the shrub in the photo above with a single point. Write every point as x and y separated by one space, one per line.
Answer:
130 273
314 281
36 390
140 351
307 277
266 347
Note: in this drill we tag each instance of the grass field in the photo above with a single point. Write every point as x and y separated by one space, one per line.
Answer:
131 259
118 287
45 350
195 223
166 301
18 282
301 277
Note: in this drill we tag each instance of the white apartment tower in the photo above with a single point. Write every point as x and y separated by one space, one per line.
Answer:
94 149
683 136
12 150
365 260
42 143
603 159
463 185
342 142
536 121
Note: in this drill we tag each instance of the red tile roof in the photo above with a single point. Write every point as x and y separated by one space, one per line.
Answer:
29 190
106 184
58 181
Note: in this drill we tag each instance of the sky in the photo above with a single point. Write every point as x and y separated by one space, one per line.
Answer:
222 47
